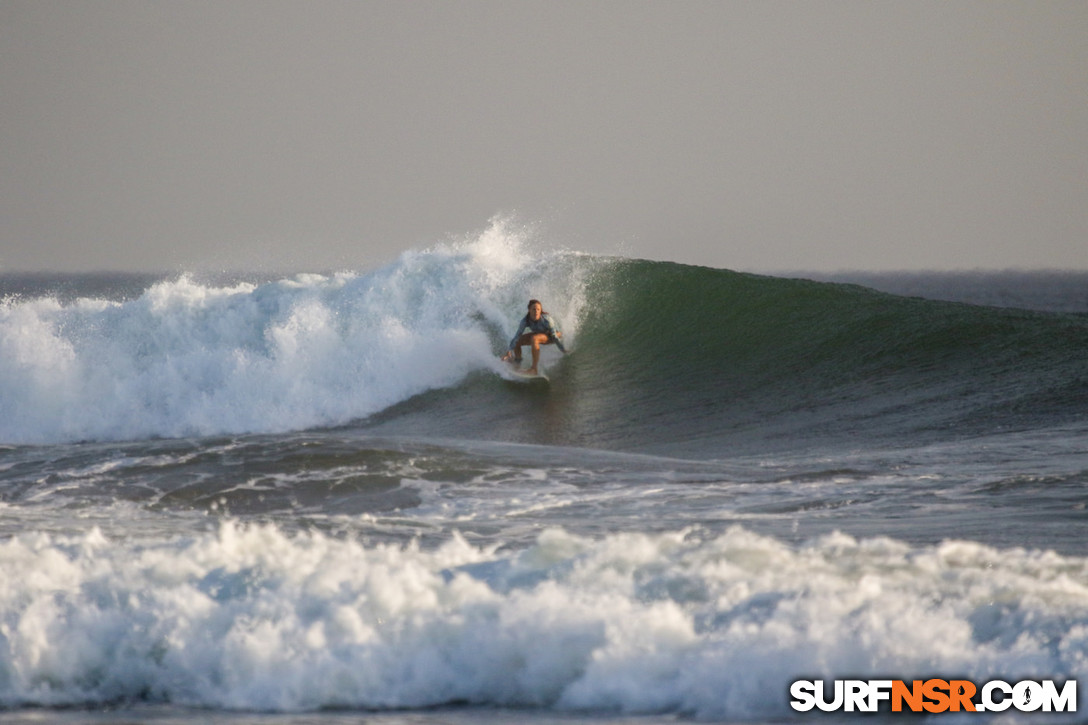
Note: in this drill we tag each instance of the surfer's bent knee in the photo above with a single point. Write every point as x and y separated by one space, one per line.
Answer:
534 339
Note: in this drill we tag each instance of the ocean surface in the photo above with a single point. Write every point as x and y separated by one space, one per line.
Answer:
314 499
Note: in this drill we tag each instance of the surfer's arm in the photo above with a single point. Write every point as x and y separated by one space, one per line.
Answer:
554 334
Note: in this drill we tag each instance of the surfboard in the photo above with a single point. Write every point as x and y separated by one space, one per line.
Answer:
510 371
518 376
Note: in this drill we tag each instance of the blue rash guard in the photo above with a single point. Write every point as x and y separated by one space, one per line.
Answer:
545 325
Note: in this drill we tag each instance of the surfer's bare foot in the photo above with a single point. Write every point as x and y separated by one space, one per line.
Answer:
531 371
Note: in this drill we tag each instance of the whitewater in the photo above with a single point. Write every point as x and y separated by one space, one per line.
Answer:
314 499
186 358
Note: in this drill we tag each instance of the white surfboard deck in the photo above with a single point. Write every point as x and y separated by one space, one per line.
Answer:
519 375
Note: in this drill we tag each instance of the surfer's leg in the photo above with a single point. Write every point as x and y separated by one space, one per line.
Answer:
526 339
535 340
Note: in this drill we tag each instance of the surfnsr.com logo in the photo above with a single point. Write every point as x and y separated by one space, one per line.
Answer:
934 696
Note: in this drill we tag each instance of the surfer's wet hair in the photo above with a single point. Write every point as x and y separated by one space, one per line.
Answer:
534 302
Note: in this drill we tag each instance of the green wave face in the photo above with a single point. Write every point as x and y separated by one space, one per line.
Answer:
667 358
692 361
714 357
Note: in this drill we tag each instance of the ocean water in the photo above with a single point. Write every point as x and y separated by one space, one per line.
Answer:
313 499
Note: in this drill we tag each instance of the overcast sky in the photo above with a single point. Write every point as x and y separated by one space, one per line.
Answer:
761 136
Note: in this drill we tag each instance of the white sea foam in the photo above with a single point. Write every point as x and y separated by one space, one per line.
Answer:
249 617
191 359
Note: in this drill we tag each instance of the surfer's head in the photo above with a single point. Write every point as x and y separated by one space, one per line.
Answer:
535 309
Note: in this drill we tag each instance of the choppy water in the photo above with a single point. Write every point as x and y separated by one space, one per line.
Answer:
315 500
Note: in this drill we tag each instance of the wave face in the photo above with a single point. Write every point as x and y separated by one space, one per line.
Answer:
680 360
719 358
668 358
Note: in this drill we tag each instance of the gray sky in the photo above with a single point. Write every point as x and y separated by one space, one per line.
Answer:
763 136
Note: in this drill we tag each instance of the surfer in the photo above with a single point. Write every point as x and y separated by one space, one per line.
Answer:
542 331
